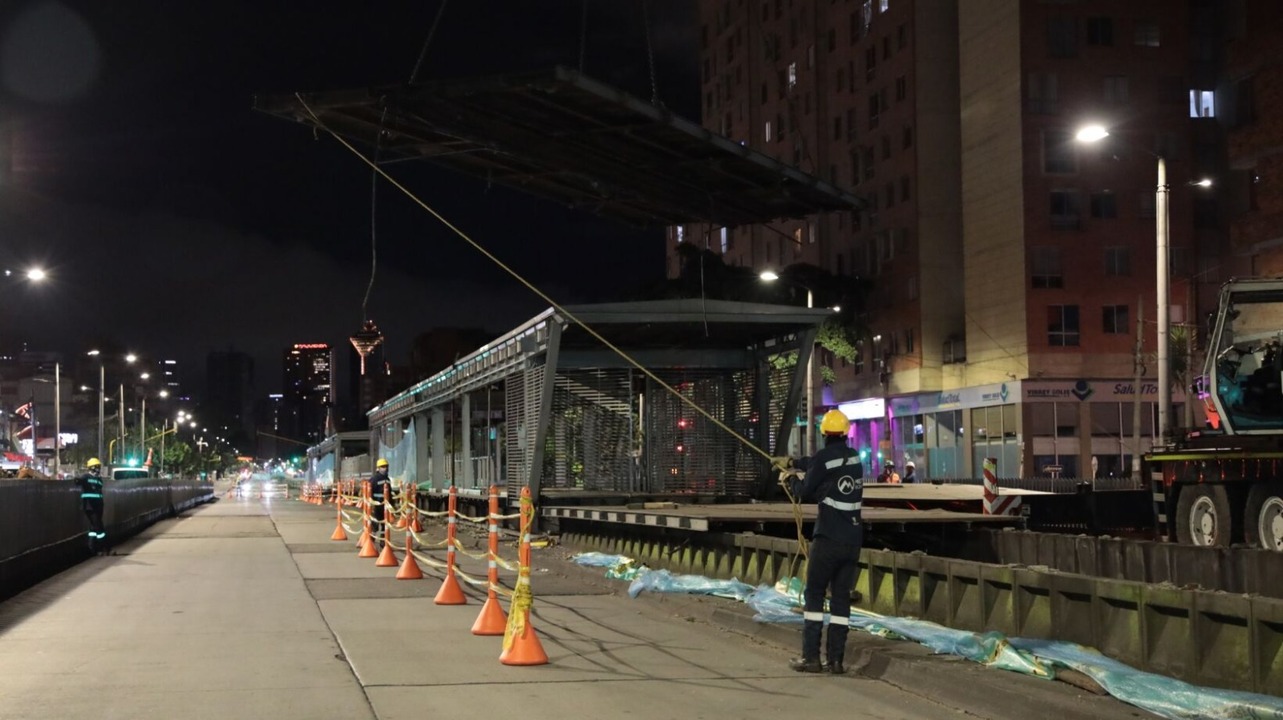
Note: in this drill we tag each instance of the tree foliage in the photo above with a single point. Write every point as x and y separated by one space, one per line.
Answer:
702 273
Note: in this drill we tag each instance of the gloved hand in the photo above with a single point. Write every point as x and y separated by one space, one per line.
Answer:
782 463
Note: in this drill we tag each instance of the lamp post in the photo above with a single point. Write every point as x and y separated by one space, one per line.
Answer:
102 381
1162 246
809 437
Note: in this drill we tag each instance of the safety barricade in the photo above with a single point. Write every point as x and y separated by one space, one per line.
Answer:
521 644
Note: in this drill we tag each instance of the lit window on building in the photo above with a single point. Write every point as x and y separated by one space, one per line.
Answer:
1202 103
792 82
1147 34
726 242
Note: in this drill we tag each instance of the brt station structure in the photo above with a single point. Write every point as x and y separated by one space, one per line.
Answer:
598 441
544 406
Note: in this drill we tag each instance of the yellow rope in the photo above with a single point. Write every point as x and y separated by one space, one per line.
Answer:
530 286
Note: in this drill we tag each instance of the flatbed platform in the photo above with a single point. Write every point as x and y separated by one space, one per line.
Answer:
703 518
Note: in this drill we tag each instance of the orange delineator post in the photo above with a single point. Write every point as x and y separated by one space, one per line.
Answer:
401 521
387 558
414 506
450 592
367 537
409 569
521 644
492 621
339 532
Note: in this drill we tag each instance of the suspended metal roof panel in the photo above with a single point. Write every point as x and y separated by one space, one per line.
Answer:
564 136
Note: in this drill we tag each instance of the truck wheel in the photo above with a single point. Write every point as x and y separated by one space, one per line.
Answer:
1203 516
1263 516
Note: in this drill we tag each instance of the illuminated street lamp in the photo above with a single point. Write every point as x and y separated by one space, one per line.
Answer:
770 276
1162 244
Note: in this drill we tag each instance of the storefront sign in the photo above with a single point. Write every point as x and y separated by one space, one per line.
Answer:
979 396
864 409
1093 390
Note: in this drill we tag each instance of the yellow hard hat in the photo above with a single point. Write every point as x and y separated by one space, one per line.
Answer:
381 463
93 462
834 423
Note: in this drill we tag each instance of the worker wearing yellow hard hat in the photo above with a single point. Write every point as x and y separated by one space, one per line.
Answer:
91 503
835 482
380 491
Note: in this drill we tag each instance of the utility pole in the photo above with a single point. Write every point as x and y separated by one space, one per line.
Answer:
1136 394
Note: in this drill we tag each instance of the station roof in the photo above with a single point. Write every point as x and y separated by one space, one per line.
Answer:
661 333
561 135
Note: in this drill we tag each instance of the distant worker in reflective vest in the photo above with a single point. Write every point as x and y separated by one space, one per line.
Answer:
380 490
91 496
889 475
835 480
910 473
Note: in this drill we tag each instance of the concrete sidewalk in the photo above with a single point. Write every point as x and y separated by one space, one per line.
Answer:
246 609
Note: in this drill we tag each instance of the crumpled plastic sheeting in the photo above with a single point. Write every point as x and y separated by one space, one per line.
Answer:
1160 695
618 567
1163 696
664 581
596 559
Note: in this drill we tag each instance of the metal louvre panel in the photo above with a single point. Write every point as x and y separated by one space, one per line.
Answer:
685 451
781 371
589 444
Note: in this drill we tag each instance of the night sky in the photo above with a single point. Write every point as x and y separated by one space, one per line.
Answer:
176 220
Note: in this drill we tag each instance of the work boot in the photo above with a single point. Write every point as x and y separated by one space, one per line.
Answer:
835 667
806 665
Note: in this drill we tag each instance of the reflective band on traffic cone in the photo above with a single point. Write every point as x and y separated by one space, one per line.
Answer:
521 644
492 621
409 569
450 592
339 532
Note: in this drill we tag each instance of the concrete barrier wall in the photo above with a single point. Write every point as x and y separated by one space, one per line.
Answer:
1204 637
42 527
1233 570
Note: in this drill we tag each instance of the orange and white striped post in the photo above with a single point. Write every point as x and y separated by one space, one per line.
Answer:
367 537
492 621
521 644
387 558
339 532
450 592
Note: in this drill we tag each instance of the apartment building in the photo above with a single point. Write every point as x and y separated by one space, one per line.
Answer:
1007 262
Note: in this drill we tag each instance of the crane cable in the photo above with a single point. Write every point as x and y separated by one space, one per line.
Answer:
554 304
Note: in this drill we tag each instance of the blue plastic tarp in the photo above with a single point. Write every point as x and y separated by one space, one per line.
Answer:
1163 696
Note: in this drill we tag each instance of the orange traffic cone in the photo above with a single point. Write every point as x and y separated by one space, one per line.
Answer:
491 621
387 558
450 592
409 569
367 550
364 537
521 644
339 533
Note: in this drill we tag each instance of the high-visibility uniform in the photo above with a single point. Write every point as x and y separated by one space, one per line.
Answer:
91 502
380 490
835 481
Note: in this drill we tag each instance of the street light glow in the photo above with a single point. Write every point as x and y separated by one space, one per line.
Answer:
36 274
1092 133
130 357
145 376
769 276
93 353
1204 183
164 393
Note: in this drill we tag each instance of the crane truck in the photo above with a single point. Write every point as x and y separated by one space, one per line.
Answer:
1223 484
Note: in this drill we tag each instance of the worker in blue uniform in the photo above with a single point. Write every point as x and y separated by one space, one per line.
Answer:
91 502
835 481
380 490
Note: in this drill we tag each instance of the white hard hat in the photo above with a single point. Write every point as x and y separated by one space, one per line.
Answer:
910 464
